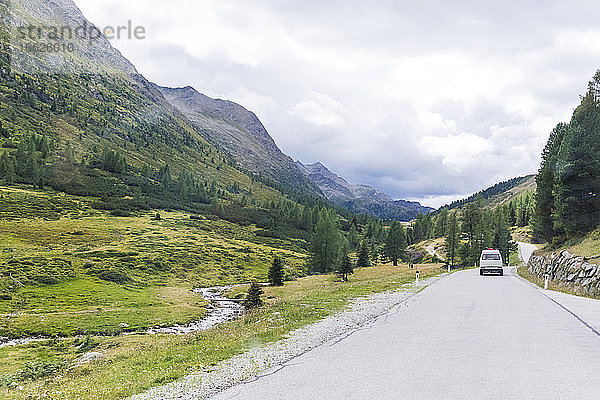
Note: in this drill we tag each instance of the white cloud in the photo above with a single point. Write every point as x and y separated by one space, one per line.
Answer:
319 110
460 152
425 100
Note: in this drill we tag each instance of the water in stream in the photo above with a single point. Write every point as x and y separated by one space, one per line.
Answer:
222 310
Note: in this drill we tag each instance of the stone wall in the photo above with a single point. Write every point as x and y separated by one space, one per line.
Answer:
569 271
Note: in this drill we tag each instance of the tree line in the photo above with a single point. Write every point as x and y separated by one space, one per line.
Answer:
568 181
330 246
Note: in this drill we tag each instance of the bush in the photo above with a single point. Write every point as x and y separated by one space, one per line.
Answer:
120 213
36 270
34 370
6 380
114 275
253 299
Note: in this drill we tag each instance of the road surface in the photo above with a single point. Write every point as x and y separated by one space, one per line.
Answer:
465 337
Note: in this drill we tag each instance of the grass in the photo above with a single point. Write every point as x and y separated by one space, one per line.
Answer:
418 251
587 246
134 363
87 272
522 233
85 306
552 285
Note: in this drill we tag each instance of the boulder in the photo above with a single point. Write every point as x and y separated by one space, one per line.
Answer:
88 357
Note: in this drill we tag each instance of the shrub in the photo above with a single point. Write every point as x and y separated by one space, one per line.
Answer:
87 344
34 370
120 213
253 299
114 275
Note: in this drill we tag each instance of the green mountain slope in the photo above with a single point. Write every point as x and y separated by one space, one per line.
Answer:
99 128
90 150
500 193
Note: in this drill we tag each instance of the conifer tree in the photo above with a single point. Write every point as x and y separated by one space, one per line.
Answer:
345 267
253 299
275 275
577 183
502 238
363 255
374 253
325 244
165 176
452 238
395 244
307 221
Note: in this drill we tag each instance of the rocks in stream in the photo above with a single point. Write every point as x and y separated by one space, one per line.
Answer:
221 309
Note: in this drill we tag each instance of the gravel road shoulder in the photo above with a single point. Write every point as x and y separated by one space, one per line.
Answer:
359 314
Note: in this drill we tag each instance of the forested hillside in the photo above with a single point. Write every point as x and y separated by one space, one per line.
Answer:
500 192
568 182
105 187
482 220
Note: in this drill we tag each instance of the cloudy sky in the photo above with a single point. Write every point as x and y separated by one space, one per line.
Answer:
427 101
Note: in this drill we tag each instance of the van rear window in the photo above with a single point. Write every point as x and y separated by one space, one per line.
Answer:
490 256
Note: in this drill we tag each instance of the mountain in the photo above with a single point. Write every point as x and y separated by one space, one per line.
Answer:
85 122
500 193
362 199
240 134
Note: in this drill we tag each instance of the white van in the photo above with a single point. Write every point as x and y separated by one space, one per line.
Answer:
490 261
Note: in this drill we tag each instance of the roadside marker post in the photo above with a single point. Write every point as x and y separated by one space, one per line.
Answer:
546 278
448 268
417 278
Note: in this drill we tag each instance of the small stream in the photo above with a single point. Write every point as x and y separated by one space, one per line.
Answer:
221 309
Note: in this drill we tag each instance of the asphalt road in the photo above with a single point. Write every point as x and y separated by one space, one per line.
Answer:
465 337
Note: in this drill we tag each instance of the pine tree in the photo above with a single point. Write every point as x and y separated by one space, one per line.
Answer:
441 222
307 221
363 255
502 238
374 252
353 237
3 131
164 175
452 238
325 244
253 299
395 244
577 182
345 267
473 225
275 275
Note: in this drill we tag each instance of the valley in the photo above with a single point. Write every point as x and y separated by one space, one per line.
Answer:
157 241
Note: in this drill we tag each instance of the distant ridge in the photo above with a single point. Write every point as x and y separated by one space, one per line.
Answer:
500 192
362 199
